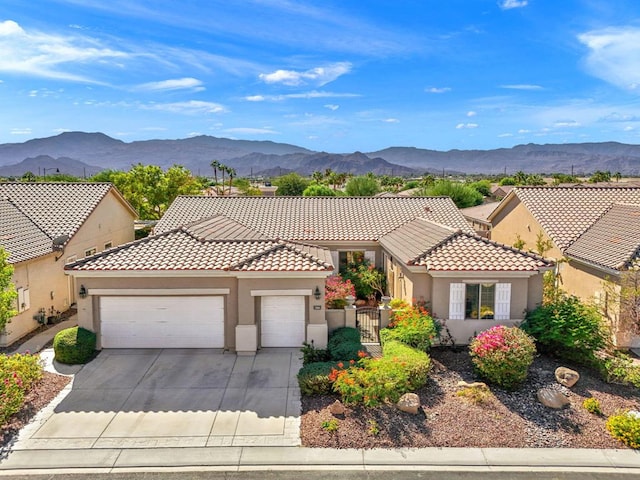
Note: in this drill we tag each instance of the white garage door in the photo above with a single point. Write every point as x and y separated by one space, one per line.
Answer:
162 322
282 322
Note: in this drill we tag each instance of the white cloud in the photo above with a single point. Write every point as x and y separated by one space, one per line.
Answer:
522 86
614 55
191 107
187 83
471 113
303 95
619 117
437 89
316 76
567 123
503 135
391 120
332 107
466 125
251 131
509 4
20 131
524 130
51 56
628 128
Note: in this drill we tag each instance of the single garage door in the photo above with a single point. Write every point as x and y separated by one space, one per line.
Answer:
282 321
162 322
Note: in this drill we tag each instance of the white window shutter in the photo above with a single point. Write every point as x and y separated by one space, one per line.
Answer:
27 299
503 301
20 299
456 301
335 258
370 255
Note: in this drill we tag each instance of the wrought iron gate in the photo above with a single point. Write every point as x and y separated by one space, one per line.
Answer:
368 322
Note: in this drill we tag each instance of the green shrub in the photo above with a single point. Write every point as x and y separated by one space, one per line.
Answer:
503 355
18 373
311 354
314 378
74 345
411 325
330 426
618 368
625 426
592 405
344 344
476 394
376 380
568 328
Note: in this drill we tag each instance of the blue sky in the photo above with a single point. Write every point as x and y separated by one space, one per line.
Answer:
332 75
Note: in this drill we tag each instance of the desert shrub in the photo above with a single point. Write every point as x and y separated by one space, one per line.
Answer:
74 345
376 380
503 355
568 328
625 426
618 368
336 290
314 378
18 373
311 354
476 394
411 325
330 426
592 405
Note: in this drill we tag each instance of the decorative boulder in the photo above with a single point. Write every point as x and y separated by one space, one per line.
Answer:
552 398
567 377
337 408
409 402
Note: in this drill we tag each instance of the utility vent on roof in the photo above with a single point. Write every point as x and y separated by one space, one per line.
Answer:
427 209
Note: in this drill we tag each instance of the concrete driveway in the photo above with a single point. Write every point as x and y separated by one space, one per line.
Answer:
174 397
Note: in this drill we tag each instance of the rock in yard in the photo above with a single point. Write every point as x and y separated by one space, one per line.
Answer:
463 384
567 377
336 408
552 398
409 402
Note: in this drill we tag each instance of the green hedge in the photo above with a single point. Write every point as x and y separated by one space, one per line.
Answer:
411 325
74 345
416 361
344 344
314 378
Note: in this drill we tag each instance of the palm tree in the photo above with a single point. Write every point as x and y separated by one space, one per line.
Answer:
232 173
317 176
223 169
215 164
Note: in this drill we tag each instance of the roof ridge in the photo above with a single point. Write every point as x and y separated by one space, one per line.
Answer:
291 245
438 245
504 246
278 245
28 217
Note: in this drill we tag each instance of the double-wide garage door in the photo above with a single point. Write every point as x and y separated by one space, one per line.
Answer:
162 321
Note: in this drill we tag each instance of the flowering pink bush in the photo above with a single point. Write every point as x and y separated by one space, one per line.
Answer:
503 355
336 290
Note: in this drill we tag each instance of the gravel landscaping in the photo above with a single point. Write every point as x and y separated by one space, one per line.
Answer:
507 419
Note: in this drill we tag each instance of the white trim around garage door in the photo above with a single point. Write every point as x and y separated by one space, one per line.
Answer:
281 293
133 292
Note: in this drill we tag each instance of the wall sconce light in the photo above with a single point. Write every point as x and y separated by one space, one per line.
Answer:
317 293
52 294
82 292
401 275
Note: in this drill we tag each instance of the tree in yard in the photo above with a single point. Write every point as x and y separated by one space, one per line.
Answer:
364 186
316 190
105 176
600 176
28 177
462 195
291 184
215 164
8 292
232 173
622 300
317 176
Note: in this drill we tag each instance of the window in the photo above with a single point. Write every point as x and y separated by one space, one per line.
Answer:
355 256
91 251
108 245
480 301
24 299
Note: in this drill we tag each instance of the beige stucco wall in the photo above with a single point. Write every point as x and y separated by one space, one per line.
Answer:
408 285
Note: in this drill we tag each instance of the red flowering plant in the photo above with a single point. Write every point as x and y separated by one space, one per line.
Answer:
336 290
503 355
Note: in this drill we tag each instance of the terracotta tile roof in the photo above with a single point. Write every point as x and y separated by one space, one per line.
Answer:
613 240
57 208
567 212
20 236
309 219
221 228
440 248
480 212
180 250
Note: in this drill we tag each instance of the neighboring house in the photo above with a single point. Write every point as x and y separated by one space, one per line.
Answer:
248 272
478 218
595 229
498 192
45 225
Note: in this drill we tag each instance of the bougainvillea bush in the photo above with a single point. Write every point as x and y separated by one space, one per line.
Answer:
336 290
503 355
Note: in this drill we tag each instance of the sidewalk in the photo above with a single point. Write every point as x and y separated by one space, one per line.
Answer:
37 342
239 459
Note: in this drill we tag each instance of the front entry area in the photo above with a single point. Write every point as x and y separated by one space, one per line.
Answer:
162 321
283 321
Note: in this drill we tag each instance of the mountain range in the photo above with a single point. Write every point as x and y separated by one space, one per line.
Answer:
80 153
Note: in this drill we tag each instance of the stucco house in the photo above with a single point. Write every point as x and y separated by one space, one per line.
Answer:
595 230
43 226
248 272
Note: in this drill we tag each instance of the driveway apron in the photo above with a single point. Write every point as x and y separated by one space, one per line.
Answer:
174 398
